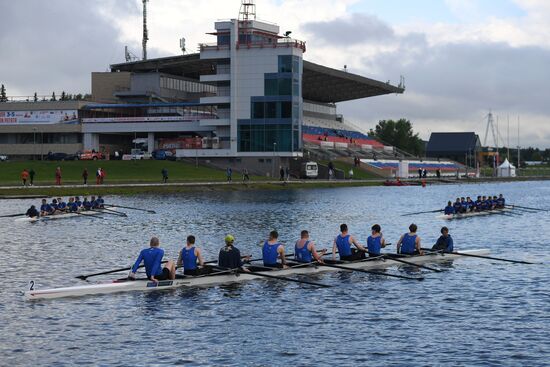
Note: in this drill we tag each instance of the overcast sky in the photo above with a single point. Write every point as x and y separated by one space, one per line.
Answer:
460 58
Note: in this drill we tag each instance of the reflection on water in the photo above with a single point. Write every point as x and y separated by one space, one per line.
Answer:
474 312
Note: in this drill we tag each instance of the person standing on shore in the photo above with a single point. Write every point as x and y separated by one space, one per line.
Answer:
85 176
58 176
164 175
229 173
31 176
245 175
102 175
24 176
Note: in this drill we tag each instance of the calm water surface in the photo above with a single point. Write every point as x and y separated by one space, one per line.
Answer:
477 312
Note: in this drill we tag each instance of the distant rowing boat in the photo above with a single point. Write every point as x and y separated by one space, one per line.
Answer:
227 277
473 214
61 216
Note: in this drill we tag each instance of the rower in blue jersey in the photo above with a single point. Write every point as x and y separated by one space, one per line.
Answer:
100 202
343 243
376 241
32 212
449 209
409 243
46 209
86 205
273 249
54 204
489 203
189 257
479 204
94 203
72 206
304 249
78 201
501 202
495 202
444 242
469 204
484 204
457 206
152 258
61 205
463 205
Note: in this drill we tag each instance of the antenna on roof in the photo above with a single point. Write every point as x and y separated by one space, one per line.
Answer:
401 82
182 44
128 55
145 33
247 10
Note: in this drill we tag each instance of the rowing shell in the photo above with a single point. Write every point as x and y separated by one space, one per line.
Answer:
226 277
61 216
473 214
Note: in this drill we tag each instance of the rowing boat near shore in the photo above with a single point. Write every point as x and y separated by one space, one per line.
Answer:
62 216
228 277
473 214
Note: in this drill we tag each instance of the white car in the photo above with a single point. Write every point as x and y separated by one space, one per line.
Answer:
3 158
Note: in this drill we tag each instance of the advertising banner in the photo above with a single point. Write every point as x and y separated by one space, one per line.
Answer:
190 117
37 117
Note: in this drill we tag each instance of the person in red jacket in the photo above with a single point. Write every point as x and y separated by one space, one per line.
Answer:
58 176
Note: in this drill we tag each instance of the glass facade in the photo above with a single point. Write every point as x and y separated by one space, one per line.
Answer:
274 125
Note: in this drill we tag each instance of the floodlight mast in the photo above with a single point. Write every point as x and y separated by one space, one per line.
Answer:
145 33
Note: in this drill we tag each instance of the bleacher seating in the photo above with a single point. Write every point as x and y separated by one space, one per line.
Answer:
314 134
430 166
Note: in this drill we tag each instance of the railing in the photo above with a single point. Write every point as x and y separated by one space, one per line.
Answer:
282 42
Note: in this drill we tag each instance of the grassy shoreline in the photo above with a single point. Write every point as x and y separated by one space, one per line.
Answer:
37 191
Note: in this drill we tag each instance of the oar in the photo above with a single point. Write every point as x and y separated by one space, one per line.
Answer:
12 215
526 207
132 208
80 213
83 277
391 257
431 211
369 272
487 257
111 212
278 277
395 258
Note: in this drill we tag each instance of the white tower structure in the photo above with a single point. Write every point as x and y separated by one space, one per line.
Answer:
258 75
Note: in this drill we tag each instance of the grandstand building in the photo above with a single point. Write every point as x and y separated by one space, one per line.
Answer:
249 96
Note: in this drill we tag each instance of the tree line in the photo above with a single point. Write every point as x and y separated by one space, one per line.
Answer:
62 97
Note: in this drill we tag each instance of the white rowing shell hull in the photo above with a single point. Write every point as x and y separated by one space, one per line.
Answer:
61 216
472 214
208 280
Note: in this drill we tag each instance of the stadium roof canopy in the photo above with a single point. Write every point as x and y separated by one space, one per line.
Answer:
319 84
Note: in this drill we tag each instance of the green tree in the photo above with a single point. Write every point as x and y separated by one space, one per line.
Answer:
400 134
3 96
53 97
35 98
63 96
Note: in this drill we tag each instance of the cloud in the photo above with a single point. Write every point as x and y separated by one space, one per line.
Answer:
450 86
355 29
52 47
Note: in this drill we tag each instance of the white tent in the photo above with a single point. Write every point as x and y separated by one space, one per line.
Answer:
506 169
